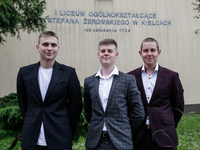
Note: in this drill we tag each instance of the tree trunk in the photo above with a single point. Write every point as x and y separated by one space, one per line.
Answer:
14 142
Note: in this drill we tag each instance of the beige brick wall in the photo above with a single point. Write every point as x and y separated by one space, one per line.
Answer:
171 22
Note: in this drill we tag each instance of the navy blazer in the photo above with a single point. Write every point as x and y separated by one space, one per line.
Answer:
164 109
59 112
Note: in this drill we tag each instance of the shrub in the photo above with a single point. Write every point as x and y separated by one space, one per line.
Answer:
11 120
9 100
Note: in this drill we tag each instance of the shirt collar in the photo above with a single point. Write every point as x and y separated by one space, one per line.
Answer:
156 68
114 72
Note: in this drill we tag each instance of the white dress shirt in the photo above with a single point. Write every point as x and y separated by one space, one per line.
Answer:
104 88
149 84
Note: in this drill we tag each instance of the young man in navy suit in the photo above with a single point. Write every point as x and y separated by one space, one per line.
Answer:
162 96
49 97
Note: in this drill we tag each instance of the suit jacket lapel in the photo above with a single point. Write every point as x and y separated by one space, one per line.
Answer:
96 86
34 80
57 70
112 90
159 80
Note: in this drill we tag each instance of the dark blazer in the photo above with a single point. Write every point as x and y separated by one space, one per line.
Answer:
59 112
124 98
164 109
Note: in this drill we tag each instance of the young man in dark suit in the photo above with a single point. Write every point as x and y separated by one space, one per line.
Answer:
49 97
109 97
162 96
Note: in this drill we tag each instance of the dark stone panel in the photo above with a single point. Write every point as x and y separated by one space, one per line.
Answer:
192 108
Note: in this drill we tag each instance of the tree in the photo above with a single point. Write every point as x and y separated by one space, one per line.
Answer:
196 5
16 15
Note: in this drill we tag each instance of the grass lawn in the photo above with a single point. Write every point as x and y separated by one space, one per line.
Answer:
5 143
188 132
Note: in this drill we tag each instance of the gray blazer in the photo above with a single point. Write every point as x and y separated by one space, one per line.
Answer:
124 111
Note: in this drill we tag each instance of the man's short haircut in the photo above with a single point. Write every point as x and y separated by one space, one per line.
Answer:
47 33
108 41
149 39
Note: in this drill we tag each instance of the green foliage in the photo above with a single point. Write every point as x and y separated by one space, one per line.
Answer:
16 15
2 134
5 143
11 120
80 144
196 7
9 100
10 115
82 88
189 132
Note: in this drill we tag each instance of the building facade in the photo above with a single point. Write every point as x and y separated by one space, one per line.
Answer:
80 25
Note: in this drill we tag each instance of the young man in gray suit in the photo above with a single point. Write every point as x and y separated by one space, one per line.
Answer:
109 97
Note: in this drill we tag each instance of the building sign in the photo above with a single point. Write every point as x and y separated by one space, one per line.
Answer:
107 18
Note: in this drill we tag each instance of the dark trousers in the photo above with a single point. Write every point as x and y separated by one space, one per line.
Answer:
38 147
105 143
146 143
